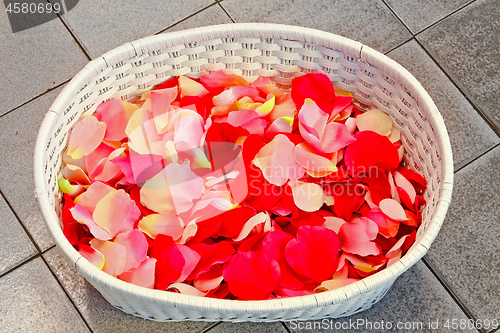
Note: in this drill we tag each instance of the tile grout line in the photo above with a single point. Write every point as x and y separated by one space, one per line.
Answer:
444 283
456 82
19 265
21 223
33 98
225 11
399 45
440 278
287 329
445 17
473 159
210 327
66 293
89 58
446 72
185 18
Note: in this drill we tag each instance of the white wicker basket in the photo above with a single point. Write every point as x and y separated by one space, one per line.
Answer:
251 50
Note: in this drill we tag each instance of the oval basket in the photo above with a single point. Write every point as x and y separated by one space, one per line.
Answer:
277 51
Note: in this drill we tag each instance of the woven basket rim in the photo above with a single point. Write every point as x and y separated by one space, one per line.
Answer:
313 36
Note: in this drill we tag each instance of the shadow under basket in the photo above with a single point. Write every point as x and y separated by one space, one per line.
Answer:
251 50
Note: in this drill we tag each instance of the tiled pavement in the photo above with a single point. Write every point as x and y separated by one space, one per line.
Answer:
451 46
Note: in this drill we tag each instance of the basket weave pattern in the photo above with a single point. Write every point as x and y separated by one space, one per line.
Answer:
251 50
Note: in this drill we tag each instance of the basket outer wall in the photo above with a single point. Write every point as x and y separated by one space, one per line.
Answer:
349 64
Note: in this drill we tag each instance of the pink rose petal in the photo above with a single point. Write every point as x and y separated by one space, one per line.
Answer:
115 113
136 245
357 237
116 213
393 209
115 256
276 161
86 135
143 276
95 257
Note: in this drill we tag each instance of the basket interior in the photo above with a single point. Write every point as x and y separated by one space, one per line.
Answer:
373 79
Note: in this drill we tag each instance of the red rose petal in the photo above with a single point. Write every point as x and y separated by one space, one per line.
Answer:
251 275
371 149
169 261
318 87
314 253
210 255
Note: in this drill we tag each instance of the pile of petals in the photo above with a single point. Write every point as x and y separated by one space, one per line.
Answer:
223 188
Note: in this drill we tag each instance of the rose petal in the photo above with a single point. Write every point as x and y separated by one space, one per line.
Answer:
335 137
314 253
137 247
190 87
232 94
376 121
262 217
247 119
172 190
357 237
116 213
266 86
317 86
387 226
186 289
170 261
115 113
393 209
166 224
311 162
188 127
86 135
348 197
210 255
74 173
143 276
333 223
220 80
115 256
284 109
273 246
71 228
276 161
251 275
402 182
370 149
138 168
82 215
95 257
307 196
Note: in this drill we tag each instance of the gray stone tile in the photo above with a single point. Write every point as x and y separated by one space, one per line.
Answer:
18 131
105 24
469 133
35 60
466 249
367 21
248 327
212 15
15 246
33 301
99 314
419 14
414 302
466 43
